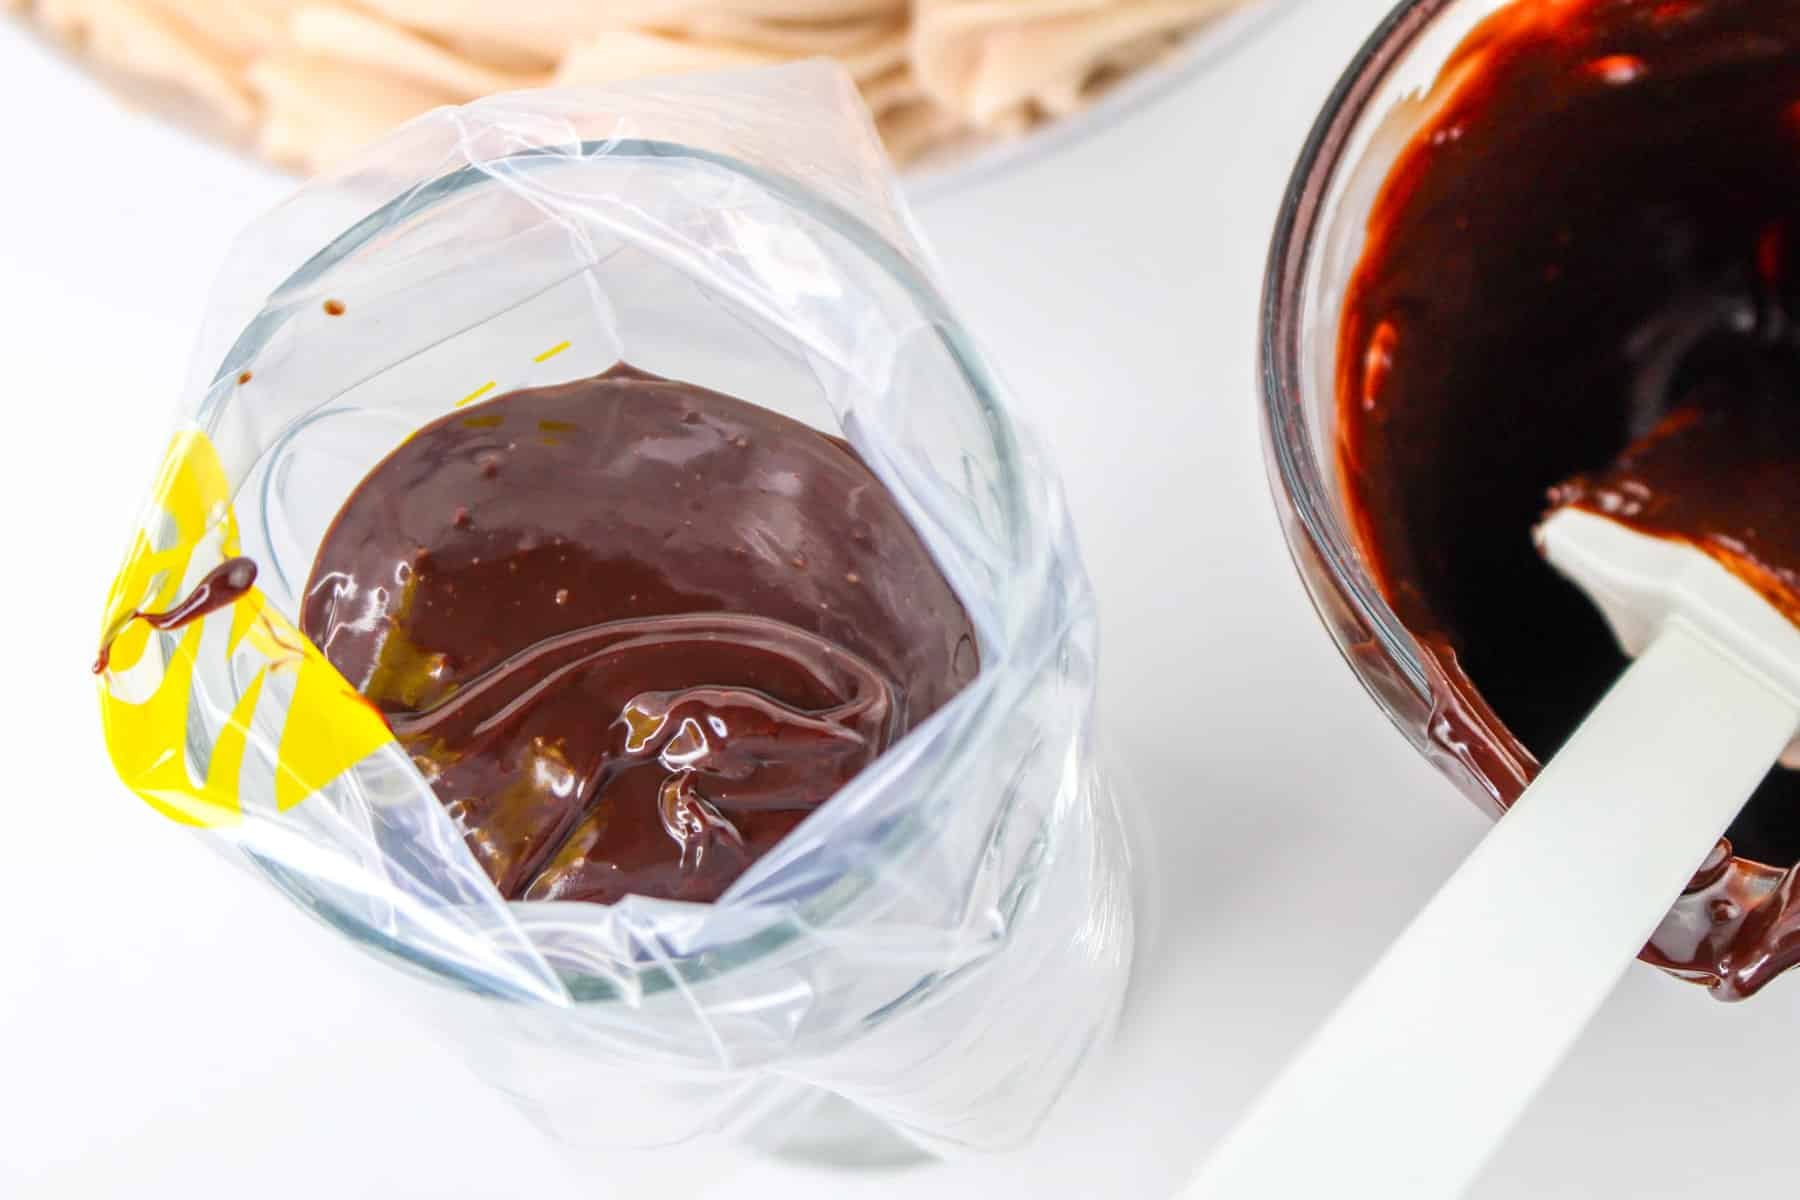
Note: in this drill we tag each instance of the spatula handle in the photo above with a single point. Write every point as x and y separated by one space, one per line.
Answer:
1417 1078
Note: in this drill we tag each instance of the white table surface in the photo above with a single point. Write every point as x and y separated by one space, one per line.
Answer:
168 1029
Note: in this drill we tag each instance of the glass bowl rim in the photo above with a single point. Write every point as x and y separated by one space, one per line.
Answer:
1294 473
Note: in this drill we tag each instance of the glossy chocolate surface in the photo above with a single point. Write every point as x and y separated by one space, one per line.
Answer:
1591 243
1721 473
633 631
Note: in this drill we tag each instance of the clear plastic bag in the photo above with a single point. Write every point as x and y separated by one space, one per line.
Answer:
940 944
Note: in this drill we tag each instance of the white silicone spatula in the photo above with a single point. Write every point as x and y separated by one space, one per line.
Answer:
1417 1078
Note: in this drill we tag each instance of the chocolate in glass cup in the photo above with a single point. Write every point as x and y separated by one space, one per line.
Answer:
865 965
1521 237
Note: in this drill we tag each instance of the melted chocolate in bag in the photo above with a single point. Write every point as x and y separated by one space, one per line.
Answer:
632 631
